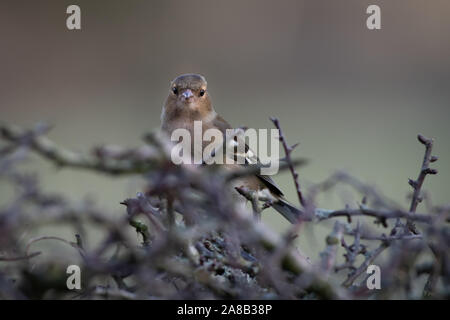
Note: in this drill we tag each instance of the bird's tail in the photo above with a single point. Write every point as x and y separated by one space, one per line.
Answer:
291 213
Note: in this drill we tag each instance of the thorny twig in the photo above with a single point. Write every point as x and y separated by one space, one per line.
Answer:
417 184
288 150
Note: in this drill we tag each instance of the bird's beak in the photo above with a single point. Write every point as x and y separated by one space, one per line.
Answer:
187 94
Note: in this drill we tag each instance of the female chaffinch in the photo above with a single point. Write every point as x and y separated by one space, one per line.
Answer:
189 101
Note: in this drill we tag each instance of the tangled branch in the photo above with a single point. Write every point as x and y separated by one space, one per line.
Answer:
193 241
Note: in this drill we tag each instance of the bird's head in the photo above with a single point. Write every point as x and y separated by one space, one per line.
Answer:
188 94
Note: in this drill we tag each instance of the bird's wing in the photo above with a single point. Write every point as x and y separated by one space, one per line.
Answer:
250 157
221 124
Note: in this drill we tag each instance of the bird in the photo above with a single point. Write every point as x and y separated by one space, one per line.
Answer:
189 101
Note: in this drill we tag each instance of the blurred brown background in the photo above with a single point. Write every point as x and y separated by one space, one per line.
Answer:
355 99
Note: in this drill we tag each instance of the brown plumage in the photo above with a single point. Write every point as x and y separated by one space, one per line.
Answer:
189 101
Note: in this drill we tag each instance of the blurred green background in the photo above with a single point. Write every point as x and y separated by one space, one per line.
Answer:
355 99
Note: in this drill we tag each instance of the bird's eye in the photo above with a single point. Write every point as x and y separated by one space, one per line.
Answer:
175 90
202 93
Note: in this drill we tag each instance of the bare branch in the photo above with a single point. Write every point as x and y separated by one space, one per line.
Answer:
287 151
417 184
329 255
